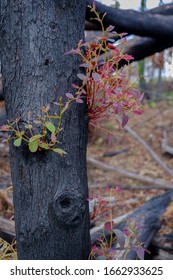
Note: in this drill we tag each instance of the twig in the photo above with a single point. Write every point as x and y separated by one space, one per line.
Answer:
150 150
159 183
147 119
128 187
112 154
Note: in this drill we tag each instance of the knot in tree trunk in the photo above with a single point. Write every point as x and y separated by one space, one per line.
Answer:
69 209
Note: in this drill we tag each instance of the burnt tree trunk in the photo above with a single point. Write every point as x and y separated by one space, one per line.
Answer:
50 191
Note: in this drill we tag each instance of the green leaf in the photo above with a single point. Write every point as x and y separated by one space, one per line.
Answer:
18 142
35 137
50 126
33 146
108 226
19 134
59 151
44 146
28 126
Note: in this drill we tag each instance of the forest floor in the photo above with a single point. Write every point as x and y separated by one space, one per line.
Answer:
155 124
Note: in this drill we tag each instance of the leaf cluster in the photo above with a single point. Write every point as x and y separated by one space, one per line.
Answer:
49 125
113 241
106 88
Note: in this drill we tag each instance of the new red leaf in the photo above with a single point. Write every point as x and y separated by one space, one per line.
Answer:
108 226
128 57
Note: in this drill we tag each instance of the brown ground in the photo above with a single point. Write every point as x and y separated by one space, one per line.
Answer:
153 125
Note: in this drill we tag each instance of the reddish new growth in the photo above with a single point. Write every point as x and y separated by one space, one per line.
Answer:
105 86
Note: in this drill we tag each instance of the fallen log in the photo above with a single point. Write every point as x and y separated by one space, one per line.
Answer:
163 246
127 187
148 217
164 242
159 183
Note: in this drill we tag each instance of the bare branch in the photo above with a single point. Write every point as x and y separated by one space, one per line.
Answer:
162 10
90 26
133 22
126 187
160 183
140 48
150 150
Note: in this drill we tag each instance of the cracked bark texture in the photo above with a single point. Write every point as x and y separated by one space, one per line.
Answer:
51 211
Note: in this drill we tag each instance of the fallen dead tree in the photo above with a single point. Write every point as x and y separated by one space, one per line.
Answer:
159 183
126 187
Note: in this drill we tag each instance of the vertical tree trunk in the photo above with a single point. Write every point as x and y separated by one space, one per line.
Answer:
51 211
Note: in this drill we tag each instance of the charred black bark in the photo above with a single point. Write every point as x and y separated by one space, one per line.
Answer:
152 39
146 24
140 48
51 211
166 10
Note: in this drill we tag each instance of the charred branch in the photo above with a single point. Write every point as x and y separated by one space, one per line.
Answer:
140 48
155 24
128 174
